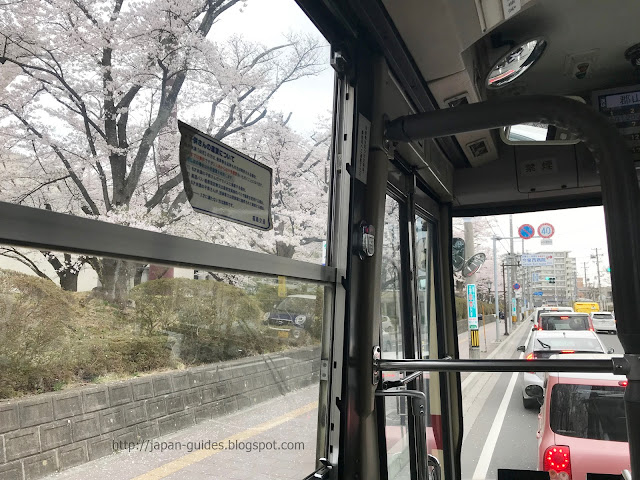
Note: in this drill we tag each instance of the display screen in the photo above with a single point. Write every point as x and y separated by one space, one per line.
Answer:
622 108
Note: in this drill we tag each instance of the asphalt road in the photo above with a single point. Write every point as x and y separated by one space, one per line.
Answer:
503 433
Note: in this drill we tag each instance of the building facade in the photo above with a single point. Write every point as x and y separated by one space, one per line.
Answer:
539 286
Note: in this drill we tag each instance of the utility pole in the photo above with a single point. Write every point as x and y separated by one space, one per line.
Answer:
495 283
586 282
504 296
512 280
555 281
597 256
474 350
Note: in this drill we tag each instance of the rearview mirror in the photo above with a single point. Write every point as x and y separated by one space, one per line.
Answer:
611 350
534 391
535 133
521 348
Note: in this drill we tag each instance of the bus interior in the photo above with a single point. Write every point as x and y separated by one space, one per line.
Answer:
441 113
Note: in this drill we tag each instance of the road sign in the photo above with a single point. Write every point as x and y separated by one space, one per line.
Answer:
546 230
536 259
526 231
472 306
535 277
546 241
537 294
516 286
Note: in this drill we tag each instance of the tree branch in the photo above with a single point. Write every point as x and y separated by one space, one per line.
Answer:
58 152
14 254
163 190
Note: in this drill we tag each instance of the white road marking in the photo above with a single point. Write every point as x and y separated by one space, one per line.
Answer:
482 467
480 473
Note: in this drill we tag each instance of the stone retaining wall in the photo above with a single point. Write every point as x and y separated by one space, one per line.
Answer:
51 432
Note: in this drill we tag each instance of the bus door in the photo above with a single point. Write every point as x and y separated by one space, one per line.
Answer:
407 402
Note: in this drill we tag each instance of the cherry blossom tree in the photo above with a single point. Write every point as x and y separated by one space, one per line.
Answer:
93 92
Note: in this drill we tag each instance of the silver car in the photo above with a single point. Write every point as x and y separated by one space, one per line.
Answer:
544 344
604 322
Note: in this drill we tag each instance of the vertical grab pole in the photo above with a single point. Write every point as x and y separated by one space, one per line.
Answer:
495 287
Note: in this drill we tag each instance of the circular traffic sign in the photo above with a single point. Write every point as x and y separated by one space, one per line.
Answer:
516 286
526 231
546 230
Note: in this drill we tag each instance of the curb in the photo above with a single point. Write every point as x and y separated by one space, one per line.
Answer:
465 384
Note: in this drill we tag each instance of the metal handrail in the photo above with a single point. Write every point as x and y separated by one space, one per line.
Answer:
616 366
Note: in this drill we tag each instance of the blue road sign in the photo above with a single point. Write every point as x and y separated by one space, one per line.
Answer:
472 306
526 231
537 294
516 286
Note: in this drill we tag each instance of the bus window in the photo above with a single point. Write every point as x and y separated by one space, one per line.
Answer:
536 277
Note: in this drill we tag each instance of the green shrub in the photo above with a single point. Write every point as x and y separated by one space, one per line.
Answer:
50 338
217 321
461 308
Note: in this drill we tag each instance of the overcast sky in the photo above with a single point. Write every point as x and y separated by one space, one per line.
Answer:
577 230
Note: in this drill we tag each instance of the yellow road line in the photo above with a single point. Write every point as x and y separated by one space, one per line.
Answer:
199 455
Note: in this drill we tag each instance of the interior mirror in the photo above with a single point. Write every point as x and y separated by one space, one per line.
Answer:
611 350
533 133
521 348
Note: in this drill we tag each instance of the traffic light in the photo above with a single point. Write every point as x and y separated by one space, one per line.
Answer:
550 279
609 269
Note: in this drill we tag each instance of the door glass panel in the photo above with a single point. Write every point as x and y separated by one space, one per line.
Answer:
396 415
428 338
423 260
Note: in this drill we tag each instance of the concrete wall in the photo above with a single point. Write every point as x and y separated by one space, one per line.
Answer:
51 432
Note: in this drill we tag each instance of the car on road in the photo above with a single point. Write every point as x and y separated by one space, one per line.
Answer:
564 321
540 310
544 344
604 322
582 424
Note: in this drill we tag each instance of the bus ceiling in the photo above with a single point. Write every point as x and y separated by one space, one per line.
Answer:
441 54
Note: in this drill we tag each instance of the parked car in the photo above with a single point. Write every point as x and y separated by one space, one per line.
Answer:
544 344
582 424
293 316
604 322
564 321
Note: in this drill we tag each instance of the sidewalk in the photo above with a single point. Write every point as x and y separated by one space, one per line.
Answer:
488 341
